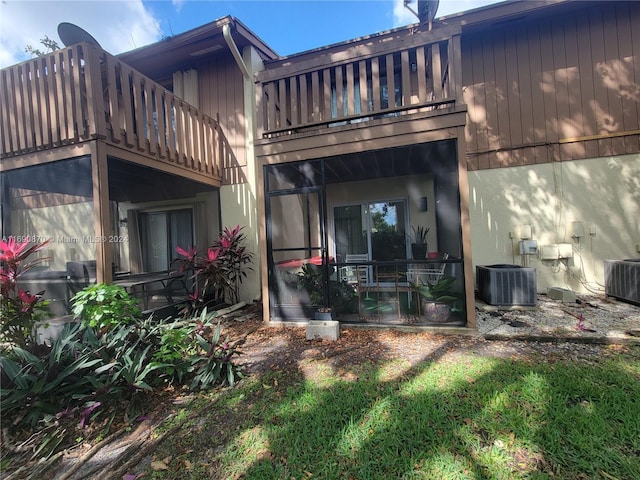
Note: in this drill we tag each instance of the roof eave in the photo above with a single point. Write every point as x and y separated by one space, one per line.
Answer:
210 30
476 16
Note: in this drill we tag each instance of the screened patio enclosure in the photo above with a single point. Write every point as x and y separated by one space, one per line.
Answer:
149 213
340 233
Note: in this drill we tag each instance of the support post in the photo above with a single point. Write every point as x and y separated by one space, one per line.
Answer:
101 213
463 186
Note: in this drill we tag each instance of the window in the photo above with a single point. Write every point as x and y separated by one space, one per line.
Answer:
162 232
375 228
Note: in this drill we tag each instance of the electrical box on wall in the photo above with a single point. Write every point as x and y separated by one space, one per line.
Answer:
528 247
549 252
525 232
565 250
577 229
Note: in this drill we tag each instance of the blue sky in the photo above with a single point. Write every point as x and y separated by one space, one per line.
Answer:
288 26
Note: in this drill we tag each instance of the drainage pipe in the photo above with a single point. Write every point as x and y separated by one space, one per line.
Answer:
226 33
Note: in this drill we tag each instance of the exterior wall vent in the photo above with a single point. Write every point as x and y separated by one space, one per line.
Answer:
506 285
622 279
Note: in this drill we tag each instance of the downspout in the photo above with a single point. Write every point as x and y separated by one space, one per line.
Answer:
247 64
226 33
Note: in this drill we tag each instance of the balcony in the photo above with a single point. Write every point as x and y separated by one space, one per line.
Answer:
82 93
392 75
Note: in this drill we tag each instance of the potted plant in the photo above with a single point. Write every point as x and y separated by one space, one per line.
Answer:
323 313
419 245
341 295
436 300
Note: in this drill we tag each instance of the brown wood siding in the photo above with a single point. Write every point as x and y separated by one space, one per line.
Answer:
559 88
221 93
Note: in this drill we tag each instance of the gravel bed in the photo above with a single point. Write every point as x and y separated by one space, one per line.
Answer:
590 317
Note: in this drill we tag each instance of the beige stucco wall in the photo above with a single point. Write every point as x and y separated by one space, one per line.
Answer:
69 228
601 194
239 204
239 208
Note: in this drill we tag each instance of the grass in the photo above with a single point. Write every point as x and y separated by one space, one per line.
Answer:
467 417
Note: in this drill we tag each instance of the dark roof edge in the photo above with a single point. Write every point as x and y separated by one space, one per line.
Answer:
476 16
255 40
212 28
497 10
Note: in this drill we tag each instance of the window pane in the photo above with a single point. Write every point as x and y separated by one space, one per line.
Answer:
388 239
291 176
155 240
181 231
351 231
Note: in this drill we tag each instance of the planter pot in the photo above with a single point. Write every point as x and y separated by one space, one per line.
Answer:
434 312
323 315
419 250
48 330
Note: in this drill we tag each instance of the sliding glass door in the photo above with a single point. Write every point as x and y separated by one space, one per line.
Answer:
162 232
377 229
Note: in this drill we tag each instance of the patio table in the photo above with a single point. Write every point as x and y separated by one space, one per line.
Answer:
139 284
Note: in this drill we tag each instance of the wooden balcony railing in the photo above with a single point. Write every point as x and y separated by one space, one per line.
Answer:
81 93
421 71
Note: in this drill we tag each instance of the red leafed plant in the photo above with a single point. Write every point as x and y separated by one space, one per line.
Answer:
220 270
19 310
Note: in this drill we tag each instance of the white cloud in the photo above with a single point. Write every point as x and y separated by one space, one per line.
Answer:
117 25
401 15
177 4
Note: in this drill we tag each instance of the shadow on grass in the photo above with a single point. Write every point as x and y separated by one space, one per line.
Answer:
453 415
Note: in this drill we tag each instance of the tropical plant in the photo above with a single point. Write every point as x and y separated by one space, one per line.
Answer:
101 306
220 270
19 309
214 365
342 296
440 292
41 386
84 370
419 234
419 245
233 260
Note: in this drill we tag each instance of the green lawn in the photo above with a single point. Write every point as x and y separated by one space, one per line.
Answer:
455 418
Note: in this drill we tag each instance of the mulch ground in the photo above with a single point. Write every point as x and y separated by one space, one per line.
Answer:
265 347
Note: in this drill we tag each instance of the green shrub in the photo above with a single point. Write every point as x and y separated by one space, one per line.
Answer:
42 386
102 306
215 365
89 374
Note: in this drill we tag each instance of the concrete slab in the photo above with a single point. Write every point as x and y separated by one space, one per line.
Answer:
563 295
324 329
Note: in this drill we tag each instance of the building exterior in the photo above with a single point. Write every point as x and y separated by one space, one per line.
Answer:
513 122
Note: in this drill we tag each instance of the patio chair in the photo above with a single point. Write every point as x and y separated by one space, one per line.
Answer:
355 274
385 290
429 275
